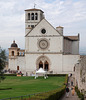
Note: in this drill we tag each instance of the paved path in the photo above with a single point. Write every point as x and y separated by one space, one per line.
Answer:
75 97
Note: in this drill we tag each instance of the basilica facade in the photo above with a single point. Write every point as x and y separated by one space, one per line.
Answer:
45 47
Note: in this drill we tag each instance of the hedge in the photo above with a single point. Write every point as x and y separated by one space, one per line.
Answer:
9 74
47 74
51 95
80 95
56 74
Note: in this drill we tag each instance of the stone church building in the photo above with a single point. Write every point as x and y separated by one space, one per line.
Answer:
45 47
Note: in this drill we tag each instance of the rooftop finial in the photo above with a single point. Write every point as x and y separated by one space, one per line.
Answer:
34 5
13 41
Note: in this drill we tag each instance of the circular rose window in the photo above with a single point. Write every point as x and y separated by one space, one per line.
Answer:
43 44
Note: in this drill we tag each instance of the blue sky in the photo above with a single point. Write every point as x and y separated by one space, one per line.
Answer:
71 14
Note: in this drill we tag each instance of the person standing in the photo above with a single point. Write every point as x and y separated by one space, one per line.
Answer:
71 82
73 91
67 91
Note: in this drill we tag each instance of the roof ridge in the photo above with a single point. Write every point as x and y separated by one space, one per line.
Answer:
34 9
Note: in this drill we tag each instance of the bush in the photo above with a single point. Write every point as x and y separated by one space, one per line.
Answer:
80 95
51 95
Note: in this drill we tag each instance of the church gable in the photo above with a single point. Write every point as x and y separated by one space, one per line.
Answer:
43 28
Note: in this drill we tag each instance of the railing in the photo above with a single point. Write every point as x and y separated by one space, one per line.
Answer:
20 97
23 97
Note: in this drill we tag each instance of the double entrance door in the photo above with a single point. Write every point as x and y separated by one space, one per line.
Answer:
44 65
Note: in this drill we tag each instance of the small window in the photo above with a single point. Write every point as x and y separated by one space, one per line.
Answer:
43 31
17 67
28 25
32 26
36 16
12 53
28 16
32 16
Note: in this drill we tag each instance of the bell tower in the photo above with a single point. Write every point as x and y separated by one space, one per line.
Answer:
32 17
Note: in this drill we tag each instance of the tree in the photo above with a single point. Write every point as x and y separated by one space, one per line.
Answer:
2 63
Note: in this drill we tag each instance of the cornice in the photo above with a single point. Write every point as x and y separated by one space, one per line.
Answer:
43 53
45 36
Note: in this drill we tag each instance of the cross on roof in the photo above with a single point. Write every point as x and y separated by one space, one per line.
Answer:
34 5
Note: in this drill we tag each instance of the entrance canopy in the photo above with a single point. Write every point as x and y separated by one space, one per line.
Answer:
41 71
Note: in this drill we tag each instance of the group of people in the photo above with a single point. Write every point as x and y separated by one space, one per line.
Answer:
72 89
68 90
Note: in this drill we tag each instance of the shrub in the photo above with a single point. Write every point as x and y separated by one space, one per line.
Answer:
80 95
51 95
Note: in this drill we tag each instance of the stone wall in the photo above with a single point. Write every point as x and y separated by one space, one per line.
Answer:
80 74
67 46
71 47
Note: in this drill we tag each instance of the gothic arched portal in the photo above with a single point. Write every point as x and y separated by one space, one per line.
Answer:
43 62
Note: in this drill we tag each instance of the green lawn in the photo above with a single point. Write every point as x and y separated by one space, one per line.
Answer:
28 85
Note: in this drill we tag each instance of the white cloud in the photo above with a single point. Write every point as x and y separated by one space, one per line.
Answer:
69 13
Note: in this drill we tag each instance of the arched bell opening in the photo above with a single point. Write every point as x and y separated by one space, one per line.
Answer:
32 16
28 16
12 53
36 16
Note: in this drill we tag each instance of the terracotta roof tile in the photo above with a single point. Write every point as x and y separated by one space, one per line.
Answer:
72 38
59 27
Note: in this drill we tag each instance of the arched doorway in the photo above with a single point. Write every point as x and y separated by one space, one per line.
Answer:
40 64
46 66
43 62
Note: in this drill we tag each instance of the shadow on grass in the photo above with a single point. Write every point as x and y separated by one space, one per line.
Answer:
5 89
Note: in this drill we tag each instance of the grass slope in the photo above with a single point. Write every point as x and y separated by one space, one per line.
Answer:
28 85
